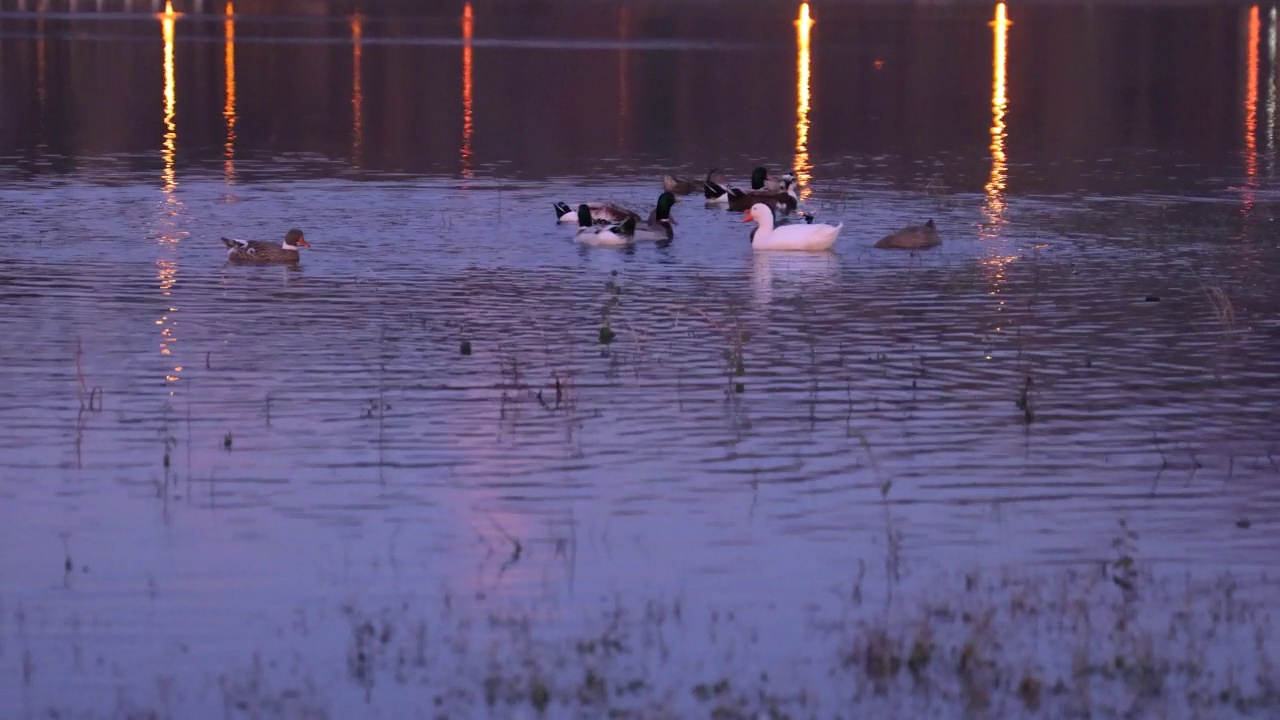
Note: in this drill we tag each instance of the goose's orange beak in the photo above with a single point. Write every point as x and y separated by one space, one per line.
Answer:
303 242
747 217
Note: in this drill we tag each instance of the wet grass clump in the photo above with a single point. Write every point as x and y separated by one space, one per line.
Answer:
1069 644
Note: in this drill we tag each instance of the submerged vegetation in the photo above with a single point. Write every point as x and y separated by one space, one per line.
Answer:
1069 644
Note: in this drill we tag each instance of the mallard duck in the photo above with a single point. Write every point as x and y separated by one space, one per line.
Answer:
680 186
265 251
601 212
912 237
659 225
740 200
714 191
760 180
784 196
591 232
760 183
809 236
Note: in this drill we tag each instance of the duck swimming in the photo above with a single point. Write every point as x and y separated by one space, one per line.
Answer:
912 237
658 226
796 218
807 236
591 232
264 251
680 186
783 195
600 212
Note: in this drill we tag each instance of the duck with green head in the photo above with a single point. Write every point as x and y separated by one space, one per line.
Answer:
659 225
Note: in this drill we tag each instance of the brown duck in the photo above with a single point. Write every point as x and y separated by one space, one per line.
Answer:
680 186
265 251
912 237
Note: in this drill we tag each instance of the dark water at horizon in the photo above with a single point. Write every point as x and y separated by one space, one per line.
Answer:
232 458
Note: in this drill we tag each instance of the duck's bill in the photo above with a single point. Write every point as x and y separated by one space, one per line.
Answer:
303 242
747 217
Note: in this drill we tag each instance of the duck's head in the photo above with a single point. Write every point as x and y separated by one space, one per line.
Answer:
758 177
665 202
294 239
584 215
759 213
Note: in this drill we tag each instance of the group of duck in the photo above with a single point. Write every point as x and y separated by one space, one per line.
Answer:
771 202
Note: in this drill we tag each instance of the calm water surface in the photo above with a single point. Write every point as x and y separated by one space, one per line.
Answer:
209 474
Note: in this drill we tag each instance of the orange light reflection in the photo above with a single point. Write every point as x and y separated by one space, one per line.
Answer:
803 168
997 183
467 121
229 106
166 265
357 88
168 149
1251 110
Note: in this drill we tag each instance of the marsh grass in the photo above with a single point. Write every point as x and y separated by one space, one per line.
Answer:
1224 311
1114 642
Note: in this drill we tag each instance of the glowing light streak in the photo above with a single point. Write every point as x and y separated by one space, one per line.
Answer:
997 183
1251 110
229 105
803 167
166 265
169 148
468 120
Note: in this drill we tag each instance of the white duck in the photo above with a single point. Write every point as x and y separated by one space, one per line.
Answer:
810 236
592 233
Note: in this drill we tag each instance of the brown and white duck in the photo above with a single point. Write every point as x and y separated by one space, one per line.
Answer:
778 195
680 186
761 183
265 251
601 212
912 237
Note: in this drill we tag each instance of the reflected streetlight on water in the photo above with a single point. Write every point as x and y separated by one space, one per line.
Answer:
229 103
169 146
803 167
166 265
467 125
997 183
1253 40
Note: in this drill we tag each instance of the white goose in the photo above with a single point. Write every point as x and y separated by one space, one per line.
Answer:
810 236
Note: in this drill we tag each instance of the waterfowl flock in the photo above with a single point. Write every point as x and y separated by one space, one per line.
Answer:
772 203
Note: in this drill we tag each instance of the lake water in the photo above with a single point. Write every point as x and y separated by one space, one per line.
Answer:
234 491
